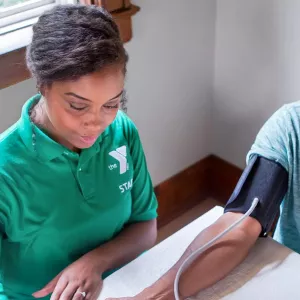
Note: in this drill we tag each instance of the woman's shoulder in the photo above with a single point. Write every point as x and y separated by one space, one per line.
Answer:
9 134
124 125
10 142
13 151
122 119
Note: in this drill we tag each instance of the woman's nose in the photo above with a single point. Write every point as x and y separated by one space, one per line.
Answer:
94 124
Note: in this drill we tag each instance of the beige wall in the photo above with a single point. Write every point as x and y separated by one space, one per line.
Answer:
257 69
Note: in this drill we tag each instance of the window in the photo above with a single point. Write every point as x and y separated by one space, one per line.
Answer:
16 14
16 18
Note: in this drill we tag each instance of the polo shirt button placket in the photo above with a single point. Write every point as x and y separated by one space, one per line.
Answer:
79 178
82 182
85 183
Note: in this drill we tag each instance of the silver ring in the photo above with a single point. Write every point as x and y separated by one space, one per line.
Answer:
83 294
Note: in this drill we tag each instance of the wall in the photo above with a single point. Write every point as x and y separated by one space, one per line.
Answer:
170 77
170 82
257 69
12 100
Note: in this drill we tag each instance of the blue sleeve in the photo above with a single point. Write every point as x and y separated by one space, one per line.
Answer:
3 217
272 141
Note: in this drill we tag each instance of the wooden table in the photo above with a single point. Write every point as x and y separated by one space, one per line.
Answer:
271 271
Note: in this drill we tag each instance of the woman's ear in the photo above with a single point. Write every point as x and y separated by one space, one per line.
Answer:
42 90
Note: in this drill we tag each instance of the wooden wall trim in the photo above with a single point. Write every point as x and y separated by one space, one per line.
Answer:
183 191
223 178
210 177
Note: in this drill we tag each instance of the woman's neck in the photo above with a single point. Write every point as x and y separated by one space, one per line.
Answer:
36 113
39 117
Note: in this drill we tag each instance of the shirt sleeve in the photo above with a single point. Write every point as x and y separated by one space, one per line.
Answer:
2 294
144 202
273 139
3 217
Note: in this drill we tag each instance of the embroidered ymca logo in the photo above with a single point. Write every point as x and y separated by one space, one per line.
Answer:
120 155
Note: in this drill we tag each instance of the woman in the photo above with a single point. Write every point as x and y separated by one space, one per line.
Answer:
76 199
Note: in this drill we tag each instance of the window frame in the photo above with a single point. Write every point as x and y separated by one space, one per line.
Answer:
24 14
13 47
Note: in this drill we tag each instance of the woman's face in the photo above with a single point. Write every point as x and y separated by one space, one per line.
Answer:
79 111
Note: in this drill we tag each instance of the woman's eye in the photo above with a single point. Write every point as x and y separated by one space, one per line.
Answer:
76 107
111 107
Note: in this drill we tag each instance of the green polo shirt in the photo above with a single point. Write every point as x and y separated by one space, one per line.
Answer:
56 205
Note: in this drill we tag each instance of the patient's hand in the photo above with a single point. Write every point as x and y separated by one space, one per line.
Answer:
158 291
143 296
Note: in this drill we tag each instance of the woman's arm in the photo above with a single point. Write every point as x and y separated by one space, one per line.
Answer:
85 274
131 242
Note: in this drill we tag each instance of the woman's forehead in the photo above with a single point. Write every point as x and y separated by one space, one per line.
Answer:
100 86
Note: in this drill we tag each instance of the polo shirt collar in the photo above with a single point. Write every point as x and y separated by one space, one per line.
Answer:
39 143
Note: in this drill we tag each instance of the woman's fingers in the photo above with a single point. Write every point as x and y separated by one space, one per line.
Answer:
48 289
58 290
80 294
69 292
95 294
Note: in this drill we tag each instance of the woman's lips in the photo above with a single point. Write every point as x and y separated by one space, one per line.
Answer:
89 140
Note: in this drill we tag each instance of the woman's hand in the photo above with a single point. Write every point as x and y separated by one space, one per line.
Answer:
79 281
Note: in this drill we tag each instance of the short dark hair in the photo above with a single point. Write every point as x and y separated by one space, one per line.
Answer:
71 41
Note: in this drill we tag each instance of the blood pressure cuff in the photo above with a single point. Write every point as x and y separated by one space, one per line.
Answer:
266 180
